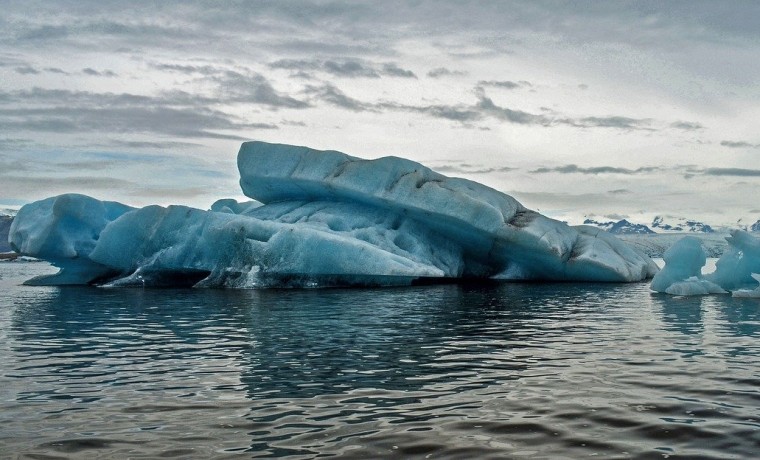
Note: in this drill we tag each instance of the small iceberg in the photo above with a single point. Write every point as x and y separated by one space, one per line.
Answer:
736 271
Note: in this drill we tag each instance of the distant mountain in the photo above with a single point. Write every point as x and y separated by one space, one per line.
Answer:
5 226
680 225
8 212
754 227
621 227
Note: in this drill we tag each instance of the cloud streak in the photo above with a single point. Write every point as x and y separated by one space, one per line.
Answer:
736 172
595 170
464 168
739 145
347 68
504 84
440 72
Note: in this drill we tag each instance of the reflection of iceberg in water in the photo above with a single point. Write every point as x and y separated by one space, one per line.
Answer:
741 319
327 219
275 343
684 315
270 372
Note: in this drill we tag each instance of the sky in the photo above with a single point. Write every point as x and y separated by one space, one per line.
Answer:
608 109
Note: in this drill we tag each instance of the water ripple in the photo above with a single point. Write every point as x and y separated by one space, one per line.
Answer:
499 371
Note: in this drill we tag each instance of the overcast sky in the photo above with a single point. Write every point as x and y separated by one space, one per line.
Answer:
618 109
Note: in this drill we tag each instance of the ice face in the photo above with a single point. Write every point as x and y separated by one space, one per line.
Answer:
735 270
326 218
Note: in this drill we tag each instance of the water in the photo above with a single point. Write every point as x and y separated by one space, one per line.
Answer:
498 371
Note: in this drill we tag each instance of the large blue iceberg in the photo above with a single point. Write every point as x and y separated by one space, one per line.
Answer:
320 218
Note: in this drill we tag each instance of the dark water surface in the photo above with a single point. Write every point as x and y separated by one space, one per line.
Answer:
454 371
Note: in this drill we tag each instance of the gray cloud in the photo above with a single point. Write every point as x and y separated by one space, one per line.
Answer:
464 168
487 106
332 95
505 84
87 165
444 72
12 166
575 169
169 193
620 191
466 114
347 68
45 32
27 70
13 143
185 123
127 157
611 122
686 125
292 123
189 68
335 45
394 70
738 172
739 144
253 88
351 69
92 72
55 185
462 114
140 31
151 145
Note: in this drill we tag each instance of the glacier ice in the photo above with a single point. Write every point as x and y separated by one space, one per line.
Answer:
320 218
735 271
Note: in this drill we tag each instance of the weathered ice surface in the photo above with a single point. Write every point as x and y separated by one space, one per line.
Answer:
321 218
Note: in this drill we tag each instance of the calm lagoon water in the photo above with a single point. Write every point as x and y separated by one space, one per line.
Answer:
451 371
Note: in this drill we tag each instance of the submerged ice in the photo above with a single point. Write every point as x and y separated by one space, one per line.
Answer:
320 218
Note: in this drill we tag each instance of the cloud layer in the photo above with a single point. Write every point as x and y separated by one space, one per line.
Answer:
504 95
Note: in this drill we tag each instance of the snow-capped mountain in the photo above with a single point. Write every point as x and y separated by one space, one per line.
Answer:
679 224
621 227
754 227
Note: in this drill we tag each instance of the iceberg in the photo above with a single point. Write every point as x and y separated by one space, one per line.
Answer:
682 274
735 271
320 218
